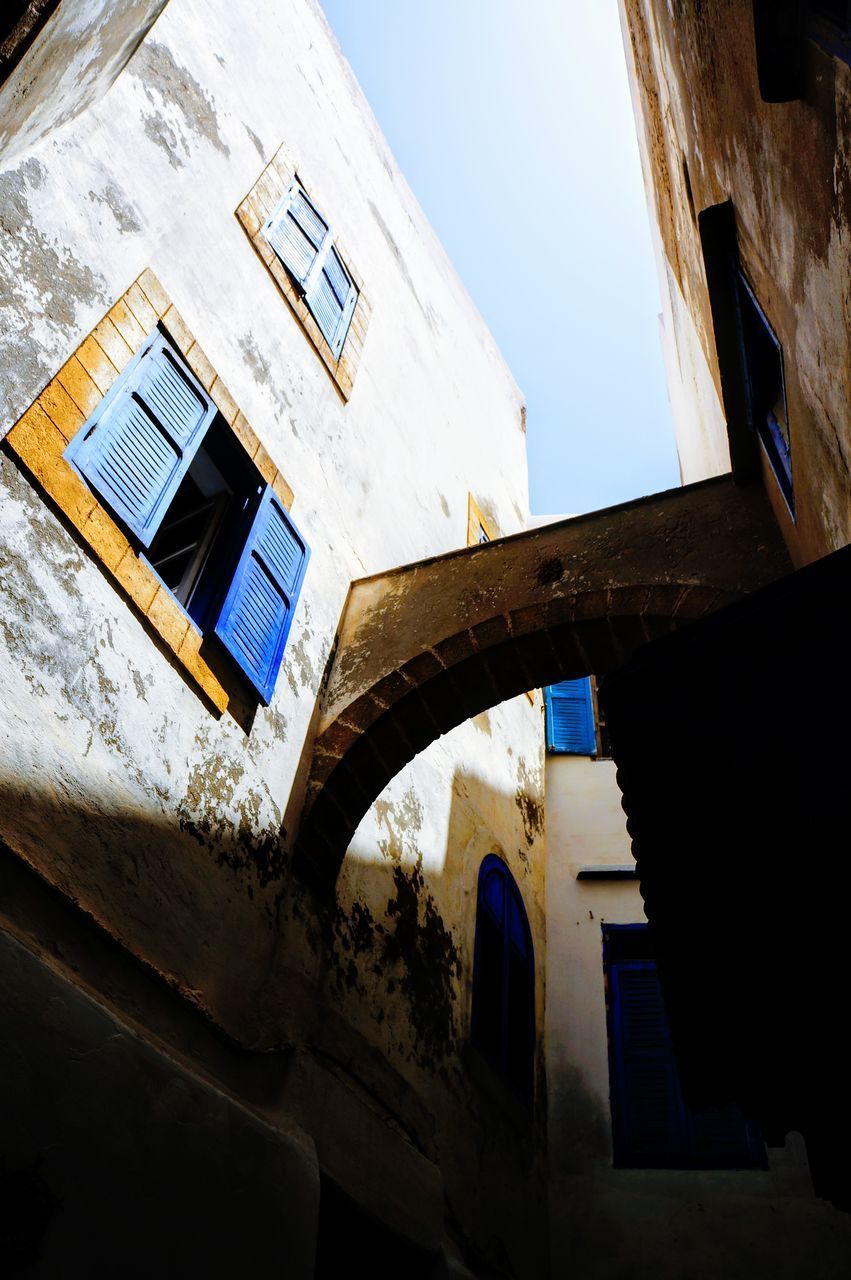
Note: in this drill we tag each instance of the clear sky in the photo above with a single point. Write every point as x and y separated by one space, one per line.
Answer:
512 122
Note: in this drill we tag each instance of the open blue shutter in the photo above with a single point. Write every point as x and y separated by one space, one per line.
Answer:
647 1109
138 445
256 615
296 232
570 717
331 298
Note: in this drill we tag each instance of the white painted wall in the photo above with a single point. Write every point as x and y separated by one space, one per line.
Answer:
101 723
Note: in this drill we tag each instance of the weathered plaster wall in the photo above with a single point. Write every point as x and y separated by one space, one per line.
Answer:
120 787
404 936
72 61
608 1222
706 136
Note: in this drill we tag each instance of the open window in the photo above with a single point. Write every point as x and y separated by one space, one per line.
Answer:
569 718
162 458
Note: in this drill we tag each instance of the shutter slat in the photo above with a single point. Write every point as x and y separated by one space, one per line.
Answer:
257 612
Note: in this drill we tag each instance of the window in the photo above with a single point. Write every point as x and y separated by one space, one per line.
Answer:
480 528
652 1126
569 718
288 227
303 241
766 390
829 24
158 453
503 1013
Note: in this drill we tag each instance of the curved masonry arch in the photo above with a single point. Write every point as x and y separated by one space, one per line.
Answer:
424 647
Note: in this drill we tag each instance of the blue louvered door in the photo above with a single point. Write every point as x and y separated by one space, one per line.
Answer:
653 1127
297 233
139 443
570 717
647 1108
257 612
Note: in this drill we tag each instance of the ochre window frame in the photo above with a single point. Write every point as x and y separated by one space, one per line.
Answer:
42 434
254 211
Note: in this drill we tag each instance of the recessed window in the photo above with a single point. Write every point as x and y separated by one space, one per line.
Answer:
766 389
652 1126
829 24
503 1013
302 239
161 457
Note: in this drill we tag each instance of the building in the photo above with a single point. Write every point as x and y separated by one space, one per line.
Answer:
207 1063
291 977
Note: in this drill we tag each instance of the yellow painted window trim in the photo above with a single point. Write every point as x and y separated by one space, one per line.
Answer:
476 519
41 435
253 212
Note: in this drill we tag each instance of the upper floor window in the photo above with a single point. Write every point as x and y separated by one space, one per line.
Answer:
766 389
829 23
303 241
503 1013
652 1125
161 457
569 718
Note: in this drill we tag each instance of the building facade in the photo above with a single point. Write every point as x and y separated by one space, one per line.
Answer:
207 1061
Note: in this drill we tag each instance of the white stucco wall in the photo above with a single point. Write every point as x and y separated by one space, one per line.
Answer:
101 723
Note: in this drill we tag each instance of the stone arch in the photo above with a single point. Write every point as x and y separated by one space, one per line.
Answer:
424 647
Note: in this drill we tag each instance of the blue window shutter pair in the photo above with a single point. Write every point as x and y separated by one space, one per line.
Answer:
303 241
653 1126
135 451
256 615
570 718
140 442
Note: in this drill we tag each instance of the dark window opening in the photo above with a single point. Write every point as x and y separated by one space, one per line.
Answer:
766 389
206 523
829 25
652 1125
503 1013
161 457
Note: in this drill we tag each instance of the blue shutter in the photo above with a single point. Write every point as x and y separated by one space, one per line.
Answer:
723 1138
647 1109
570 717
297 233
256 615
331 297
138 445
653 1126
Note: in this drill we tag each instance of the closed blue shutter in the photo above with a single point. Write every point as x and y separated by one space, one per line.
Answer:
257 612
139 443
570 717
653 1126
297 233
331 298
648 1114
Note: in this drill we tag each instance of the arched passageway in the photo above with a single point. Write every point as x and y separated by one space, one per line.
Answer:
424 647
